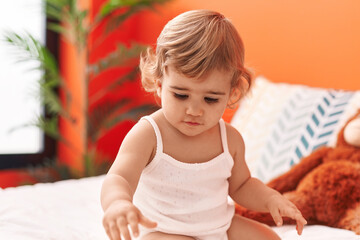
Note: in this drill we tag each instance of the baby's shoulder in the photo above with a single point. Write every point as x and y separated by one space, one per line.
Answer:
234 138
142 132
232 133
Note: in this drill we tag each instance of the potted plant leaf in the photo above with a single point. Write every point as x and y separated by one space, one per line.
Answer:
73 23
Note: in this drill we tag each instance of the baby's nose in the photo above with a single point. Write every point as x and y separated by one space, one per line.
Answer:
194 110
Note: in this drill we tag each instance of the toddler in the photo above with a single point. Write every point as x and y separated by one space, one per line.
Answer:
176 167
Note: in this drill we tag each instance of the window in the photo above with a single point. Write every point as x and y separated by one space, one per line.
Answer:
19 106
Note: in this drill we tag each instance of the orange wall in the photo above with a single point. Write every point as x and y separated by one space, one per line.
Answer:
309 42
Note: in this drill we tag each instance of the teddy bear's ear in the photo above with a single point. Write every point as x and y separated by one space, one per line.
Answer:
352 132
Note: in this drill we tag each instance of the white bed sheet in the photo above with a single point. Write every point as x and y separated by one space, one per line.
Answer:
71 210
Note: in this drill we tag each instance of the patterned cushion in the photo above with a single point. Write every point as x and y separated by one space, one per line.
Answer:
281 123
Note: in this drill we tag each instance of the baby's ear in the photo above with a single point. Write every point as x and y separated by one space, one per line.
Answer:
158 88
234 98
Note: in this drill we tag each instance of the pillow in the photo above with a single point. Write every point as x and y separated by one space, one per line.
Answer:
282 123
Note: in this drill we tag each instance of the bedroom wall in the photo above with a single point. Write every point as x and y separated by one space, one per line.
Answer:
308 42
305 42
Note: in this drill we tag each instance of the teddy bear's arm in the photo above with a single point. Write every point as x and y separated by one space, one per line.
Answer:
289 180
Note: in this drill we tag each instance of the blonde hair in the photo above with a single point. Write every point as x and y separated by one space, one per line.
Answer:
194 43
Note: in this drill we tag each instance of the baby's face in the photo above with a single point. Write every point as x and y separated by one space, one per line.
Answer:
193 106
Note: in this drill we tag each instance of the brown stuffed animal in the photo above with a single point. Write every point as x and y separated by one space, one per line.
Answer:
325 185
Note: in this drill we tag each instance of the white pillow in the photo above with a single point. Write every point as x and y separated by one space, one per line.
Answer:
281 123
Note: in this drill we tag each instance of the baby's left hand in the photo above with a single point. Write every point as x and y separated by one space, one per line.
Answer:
280 207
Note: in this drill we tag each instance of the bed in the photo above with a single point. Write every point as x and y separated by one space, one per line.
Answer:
71 209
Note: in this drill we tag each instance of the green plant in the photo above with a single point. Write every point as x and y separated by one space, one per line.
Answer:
74 24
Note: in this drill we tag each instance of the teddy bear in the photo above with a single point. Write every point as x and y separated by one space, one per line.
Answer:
325 186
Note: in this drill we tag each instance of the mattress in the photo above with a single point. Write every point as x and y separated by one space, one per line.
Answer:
71 210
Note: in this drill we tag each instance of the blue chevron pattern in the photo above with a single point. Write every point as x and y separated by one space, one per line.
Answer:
282 123
285 132
323 122
306 123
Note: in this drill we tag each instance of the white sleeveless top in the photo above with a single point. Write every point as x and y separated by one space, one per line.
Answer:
186 198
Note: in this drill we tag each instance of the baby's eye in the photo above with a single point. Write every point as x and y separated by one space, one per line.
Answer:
181 96
211 100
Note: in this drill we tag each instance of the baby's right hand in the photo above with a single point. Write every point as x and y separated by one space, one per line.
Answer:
119 215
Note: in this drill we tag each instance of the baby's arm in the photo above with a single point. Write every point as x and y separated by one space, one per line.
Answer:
121 181
251 192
